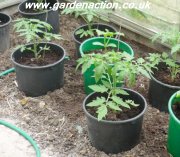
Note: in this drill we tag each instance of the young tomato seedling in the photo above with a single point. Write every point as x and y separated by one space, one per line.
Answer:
107 37
35 31
172 65
89 16
111 69
172 37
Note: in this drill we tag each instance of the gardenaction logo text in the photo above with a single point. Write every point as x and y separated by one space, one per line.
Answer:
89 5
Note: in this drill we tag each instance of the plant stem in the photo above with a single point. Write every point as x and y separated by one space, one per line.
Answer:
35 51
109 95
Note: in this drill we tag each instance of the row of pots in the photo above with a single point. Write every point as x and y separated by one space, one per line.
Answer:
109 136
124 135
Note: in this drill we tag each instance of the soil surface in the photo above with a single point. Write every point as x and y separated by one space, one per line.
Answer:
56 121
34 11
115 116
48 57
176 110
163 74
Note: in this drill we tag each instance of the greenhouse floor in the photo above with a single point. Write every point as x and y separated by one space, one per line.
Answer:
56 121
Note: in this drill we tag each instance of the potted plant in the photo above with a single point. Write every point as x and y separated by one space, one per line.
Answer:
165 80
174 125
50 15
39 64
101 45
115 114
5 21
89 29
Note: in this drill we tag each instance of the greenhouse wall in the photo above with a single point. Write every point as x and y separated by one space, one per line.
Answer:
160 16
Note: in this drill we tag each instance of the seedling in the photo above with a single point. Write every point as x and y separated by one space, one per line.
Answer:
173 67
35 31
112 68
89 16
107 37
172 37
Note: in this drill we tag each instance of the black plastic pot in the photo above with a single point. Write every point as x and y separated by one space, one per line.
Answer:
50 16
78 40
160 93
4 32
115 136
36 81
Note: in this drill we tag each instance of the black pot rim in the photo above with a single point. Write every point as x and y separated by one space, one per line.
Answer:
85 26
25 13
40 67
7 23
119 121
163 84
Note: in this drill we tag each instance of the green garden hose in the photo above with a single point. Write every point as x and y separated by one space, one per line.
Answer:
24 134
21 132
7 72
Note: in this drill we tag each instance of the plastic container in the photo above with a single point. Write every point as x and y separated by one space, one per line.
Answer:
37 81
160 93
115 136
4 32
174 129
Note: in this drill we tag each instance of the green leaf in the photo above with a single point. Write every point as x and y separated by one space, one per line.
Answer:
170 62
97 102
112 45
165 55
113 106
98 43
98 88
90 33
80 62
99 32
89 17
99 70
120 102
80 31
132 103
106 83
86 66
140 60
144 72
102 112
121 91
